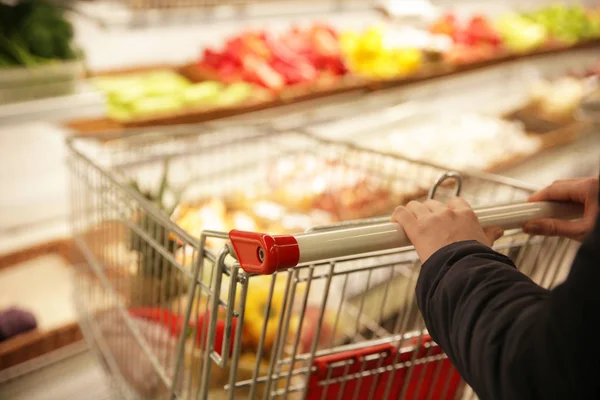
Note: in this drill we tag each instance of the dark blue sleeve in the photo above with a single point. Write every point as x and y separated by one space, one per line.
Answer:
508 337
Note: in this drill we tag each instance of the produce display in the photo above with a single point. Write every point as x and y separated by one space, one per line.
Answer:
299 56
35 33
383 52
163 92
259 69
467 141
461 141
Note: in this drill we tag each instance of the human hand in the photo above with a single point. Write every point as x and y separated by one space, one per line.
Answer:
583 191
432 225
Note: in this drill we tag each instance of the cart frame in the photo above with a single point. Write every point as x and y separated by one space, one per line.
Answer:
202 344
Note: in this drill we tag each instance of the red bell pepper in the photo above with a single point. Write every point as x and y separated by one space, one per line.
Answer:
258 70
256 45
293 66
211 58
174 324
325 43
482 31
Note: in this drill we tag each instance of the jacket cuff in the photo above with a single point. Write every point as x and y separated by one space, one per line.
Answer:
436 266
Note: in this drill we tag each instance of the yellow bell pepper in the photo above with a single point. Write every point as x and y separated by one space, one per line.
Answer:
367 55
256 307
408 61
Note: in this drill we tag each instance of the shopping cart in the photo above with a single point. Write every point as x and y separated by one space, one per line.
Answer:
184 311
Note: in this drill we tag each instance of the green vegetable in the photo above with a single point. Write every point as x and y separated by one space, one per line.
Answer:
202 93
569 24
520 34
234 94
34 33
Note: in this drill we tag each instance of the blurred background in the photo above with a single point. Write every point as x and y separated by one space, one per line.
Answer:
502 86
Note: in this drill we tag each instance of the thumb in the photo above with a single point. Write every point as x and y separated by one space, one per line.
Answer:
493 233
553 227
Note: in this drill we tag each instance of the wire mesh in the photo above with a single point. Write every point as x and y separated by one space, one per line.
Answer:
175 317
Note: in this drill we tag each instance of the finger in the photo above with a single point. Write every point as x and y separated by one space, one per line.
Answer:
555 227
405 218
418 209
458 203
562 190
493 233
434 205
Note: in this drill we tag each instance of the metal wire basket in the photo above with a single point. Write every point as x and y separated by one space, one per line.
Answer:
178 312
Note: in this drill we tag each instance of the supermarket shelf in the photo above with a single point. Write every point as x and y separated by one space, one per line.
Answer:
85 102
144 13
429 83
88 103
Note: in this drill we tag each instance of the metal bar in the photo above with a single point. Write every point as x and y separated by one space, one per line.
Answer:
289 251
233 279
235 358
326 245
279 335
317 334
148 206
261 341
188 312
212 329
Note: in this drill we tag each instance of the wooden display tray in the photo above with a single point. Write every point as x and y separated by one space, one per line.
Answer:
326 86
298 94
551 133
35 343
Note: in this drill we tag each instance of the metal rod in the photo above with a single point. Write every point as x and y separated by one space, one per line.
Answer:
212 329
343 242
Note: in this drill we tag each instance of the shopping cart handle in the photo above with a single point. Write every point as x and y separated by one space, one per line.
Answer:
261 253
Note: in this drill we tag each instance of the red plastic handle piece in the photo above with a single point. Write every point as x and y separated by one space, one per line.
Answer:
259 253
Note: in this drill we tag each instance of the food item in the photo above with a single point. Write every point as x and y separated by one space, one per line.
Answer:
141 375
445 25
310 326
371 55
559 99
566 23
477 31
461 142
163 92
475 41
202 93
313 183
35 33
174 323
14 321
274 62
520 34
256 308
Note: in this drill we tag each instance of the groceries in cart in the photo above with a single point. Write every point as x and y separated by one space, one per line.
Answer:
176 309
